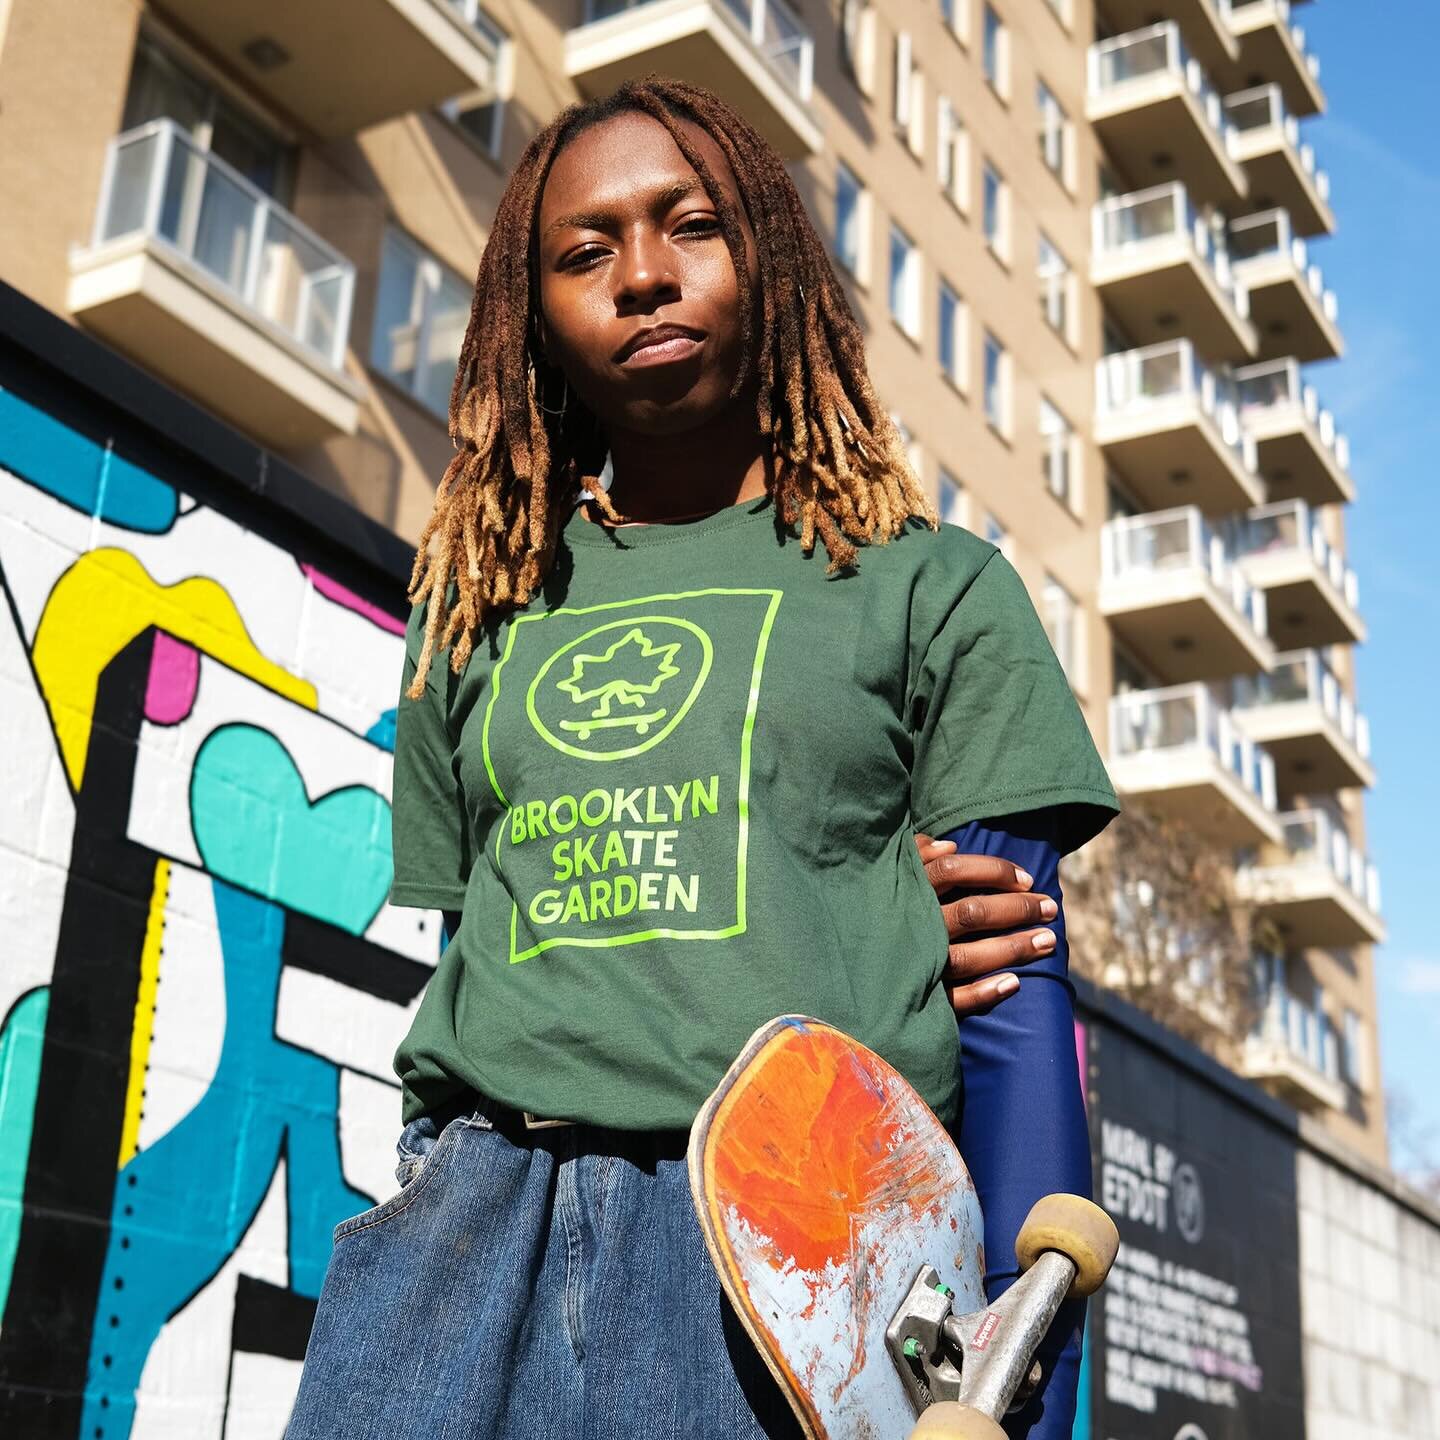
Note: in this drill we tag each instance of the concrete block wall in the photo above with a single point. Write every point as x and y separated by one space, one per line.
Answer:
1370 1305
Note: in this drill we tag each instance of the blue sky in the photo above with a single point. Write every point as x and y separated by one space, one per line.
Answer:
1378 143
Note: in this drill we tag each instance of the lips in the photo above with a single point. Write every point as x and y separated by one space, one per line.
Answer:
659 345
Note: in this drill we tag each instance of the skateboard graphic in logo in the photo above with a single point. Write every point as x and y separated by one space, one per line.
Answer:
605 680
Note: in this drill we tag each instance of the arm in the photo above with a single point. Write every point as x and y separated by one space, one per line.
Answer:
1022 1128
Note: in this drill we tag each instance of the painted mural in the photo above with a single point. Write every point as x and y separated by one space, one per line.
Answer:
201 982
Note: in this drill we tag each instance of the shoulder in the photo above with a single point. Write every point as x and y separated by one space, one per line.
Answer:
947 555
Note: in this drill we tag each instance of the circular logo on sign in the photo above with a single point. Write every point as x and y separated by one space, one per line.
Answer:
1191 1432
1189 1203
621 688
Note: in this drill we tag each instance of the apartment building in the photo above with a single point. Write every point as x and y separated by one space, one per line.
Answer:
1082 237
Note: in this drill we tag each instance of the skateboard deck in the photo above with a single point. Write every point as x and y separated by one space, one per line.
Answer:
823 1182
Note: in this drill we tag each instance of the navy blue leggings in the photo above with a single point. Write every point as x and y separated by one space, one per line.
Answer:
1022 1126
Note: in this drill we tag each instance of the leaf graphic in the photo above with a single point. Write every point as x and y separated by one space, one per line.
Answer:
624 674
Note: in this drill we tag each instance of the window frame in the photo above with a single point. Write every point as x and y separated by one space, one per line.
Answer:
997 419
998 242
1059 456
909 323
1073 665
957 372
457 107
860 269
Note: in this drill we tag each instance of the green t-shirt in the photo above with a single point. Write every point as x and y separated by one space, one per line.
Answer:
677 797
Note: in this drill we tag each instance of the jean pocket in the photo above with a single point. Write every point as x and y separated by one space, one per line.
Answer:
422 1149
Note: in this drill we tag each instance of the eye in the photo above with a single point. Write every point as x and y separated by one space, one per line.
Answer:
584 258
699 225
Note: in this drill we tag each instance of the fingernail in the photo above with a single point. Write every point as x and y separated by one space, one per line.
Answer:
948 845
1044 941
1024 877
1048 909
1007 985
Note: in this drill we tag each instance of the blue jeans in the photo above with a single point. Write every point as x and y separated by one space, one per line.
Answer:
551 1284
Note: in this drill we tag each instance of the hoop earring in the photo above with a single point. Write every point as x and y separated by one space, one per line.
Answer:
540 392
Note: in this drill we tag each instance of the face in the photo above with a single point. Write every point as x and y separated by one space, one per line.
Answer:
640 302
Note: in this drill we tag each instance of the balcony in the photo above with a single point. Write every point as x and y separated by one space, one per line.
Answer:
1165 273
1293 1051
1302 455
1315 885
1158 116
1303 716
1271 48
757 54
339 66
1177 601
1179 751
1294 313
1171 427
1279 165
1311 594
203 279
1203 23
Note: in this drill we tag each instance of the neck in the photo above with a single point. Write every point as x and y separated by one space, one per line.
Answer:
670 477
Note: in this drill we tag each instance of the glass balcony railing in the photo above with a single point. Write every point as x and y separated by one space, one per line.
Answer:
1281 11
1155 50
1134 546
1291 525
771 26
1127 225
1263 108
1302 1030
1187 718
1269 235
160 184
1275 386
1134 381
1303 677
1313 839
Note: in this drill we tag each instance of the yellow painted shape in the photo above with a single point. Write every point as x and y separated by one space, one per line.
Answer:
143 1030
99 605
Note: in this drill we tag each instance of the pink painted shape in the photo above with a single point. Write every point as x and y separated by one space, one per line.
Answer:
342 595
174 678
1082 1057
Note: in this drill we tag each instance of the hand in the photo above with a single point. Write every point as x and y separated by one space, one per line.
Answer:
975 976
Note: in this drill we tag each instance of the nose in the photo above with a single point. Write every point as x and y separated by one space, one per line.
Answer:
645 278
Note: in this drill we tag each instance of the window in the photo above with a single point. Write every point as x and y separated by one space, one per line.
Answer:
956 15
1057 444
1055 283
952 147
1061 616
997 535
852 212
952 499
1353 1051
951 330
421 310
481 114
1061 9
857 43
904 283
163 88
995 211
1054 133
994 52
997 400
909 113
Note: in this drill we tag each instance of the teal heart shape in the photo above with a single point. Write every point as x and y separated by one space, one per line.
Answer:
256 827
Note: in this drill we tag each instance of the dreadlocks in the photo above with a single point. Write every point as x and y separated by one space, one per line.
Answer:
840 470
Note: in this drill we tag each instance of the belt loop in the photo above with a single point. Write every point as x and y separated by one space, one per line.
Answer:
534 1122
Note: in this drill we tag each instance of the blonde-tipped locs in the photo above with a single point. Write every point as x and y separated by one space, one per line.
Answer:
840 471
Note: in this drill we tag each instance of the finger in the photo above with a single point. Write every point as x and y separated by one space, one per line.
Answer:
982 996
973 913
932 849
985 957
976 872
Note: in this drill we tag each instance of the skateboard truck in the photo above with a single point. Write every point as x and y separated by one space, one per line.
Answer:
986 1360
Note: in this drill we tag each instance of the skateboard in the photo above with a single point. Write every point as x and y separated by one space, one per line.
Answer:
848 1237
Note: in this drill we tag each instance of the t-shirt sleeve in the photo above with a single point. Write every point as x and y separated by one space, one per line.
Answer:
997 730
429 828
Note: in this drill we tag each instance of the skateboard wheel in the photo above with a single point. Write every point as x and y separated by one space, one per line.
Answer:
949 1421
1079 1229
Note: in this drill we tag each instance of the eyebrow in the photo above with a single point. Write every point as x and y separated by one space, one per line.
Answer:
663 199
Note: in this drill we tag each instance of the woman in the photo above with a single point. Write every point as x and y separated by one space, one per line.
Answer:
666 766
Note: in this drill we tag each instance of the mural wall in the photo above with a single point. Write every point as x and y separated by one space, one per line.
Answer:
201 983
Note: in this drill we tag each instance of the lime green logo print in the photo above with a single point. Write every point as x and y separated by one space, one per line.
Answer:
617 741
620 688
